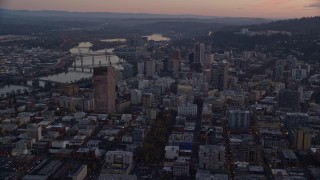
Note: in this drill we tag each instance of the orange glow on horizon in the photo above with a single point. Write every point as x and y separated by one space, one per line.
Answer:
235 8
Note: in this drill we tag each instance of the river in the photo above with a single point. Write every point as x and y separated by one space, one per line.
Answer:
157 37
9 88
83 48
73 76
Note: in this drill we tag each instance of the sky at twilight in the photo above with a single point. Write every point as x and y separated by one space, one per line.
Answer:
234 8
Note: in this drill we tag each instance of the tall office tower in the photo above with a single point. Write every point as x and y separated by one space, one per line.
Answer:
173 65
128 70
176 54
147 99
208 74
224 74
140 67
289 99
199 53
150 67
215 75
208 60
219 75
303 138
159 67
104 89
136 96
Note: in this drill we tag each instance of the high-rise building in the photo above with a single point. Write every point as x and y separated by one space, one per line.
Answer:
176 54
224 78
34 131
136 96
128 70
150 68
147 99
140 67
289 99
104 89
159 67
208 74
173 65
219 75
208 60
215 75
199 53
303 138
295 120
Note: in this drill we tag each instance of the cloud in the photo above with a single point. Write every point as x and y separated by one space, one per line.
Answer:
272 3
313 6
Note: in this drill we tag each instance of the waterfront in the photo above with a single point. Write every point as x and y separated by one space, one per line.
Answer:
9 88
76 74
84 48
157 37
73 75
68 77
114 40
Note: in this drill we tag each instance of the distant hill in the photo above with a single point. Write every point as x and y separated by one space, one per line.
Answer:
306 24
303 43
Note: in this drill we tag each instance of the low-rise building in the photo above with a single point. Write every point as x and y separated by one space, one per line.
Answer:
181 168
212 157
172 152
119 162
80 173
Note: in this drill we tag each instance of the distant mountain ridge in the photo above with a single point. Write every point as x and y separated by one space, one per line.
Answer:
116 15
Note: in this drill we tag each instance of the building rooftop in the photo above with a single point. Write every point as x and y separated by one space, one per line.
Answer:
117 177
288 154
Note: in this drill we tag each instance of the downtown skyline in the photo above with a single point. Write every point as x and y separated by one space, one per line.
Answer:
244 8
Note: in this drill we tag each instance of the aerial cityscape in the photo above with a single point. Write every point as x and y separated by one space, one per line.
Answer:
130 90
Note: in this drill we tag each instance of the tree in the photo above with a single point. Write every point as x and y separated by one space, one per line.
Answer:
25 92
19 91
12 93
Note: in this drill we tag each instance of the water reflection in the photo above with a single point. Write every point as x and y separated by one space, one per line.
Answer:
71 75
157 37
114 40
87 60
10 88
68 77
